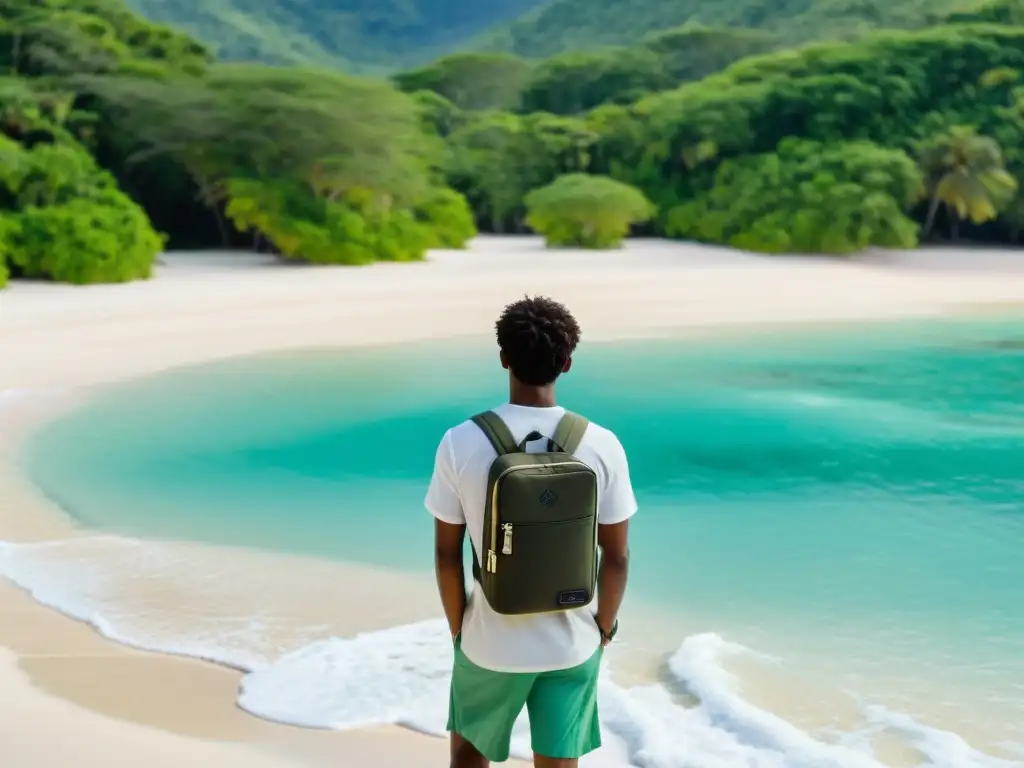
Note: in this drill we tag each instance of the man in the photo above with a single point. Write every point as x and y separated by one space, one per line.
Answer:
547 662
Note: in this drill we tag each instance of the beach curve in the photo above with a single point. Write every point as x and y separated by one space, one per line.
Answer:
200 309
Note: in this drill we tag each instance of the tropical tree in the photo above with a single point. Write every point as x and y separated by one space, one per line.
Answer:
437 113
177 120
283 153
571 83
965 172
471 80
497 158
586 211
693 51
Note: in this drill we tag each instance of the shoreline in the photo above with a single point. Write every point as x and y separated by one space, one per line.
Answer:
116 333
101 690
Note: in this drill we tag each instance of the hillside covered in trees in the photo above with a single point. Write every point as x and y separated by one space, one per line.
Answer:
371 36
564 25
118 136
359 36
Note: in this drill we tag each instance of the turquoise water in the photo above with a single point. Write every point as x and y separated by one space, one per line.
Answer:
857 491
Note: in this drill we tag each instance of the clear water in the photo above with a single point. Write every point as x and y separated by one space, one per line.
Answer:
855 496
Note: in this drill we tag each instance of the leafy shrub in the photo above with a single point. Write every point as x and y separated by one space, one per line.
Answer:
586 211
104 238
353 230
447 216
68 220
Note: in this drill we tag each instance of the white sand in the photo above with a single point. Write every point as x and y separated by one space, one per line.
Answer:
99 705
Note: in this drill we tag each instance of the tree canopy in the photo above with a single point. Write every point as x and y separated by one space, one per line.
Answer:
577 81
313 164
586 211
562 25
111 124
360 36
471 80
806 198
364 37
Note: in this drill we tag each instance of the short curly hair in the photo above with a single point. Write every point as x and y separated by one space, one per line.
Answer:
538 336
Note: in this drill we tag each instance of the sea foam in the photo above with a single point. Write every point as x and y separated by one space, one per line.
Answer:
400 676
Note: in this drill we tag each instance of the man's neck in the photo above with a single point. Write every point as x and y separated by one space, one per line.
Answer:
532 397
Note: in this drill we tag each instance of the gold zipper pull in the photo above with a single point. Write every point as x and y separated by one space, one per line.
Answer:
492 561
506 548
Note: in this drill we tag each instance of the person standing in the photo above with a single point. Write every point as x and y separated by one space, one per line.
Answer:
546 498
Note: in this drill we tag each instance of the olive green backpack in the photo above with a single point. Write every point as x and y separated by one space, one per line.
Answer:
540 522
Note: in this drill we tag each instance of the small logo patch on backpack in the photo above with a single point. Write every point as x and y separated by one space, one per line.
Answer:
574 597
548 498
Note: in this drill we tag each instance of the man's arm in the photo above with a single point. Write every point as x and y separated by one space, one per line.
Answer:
613 573
617 505
445 505
451 577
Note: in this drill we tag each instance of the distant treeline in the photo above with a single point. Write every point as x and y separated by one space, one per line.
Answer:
117 135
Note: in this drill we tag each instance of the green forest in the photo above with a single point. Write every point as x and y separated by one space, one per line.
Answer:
382 36
120 137
359 36
561 25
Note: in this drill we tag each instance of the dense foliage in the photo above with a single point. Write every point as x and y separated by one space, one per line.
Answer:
471 80
324 167
313 165
62 217
357 35
997 12
806 198
366 36
562 25
575 82
571 83
112 130
64 37
586 211
866 105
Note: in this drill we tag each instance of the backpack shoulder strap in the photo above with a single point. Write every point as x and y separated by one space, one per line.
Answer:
501 439
497 432
569 432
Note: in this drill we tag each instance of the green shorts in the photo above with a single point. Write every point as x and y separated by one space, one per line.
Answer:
562 705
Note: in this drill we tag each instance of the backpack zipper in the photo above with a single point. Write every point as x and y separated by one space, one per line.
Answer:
492 553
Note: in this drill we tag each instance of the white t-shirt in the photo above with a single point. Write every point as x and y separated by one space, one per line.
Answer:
457 495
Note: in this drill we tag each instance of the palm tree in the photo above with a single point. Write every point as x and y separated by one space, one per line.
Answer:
965 172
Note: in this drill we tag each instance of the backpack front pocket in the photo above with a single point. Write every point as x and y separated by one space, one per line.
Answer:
543 567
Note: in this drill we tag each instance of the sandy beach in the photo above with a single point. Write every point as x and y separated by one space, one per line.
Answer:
74 698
